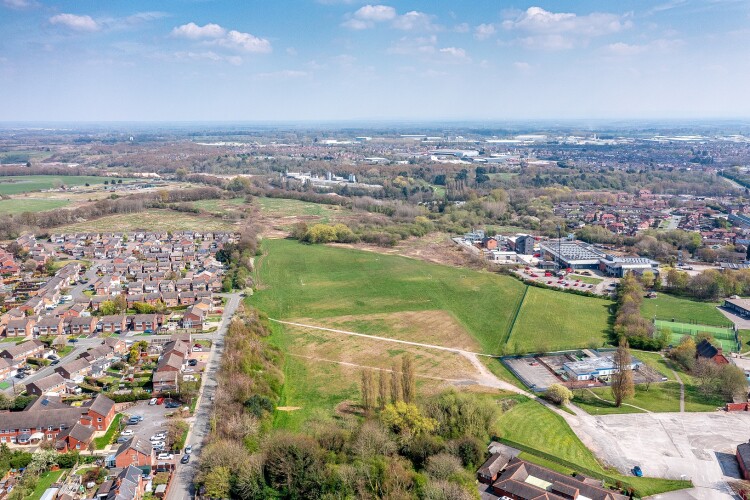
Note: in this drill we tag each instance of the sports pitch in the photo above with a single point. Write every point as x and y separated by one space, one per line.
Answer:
723 335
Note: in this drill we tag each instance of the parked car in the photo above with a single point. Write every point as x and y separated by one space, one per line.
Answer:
188 449
185 459
73 340
122 439
127 432
164 456
55 362
158 445
637 471
159 401
193 362
152 402
172 404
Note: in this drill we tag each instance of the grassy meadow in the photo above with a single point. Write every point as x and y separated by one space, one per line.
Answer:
20 205
153 220
28 183
683 309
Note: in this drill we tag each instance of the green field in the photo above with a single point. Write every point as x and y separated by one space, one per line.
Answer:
287 208
724 336
153 220
535 427
28 183
550 320
682 309
20 205
315 281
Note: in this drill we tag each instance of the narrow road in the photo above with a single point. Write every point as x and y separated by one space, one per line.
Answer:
182 486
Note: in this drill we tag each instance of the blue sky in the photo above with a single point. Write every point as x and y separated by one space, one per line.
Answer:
281 60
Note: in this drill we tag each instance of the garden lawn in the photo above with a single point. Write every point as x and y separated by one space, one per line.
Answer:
537 428
316 281
551 320
20 205
102 441
658 397
45 481
682 309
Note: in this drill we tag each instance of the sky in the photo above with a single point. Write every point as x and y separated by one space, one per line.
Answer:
321 60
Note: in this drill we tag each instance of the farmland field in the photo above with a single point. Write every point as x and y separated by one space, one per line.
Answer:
27 183
220 207
20 205
551 321
682 309
154 220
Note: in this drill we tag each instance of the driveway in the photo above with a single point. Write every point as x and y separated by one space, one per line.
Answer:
182 486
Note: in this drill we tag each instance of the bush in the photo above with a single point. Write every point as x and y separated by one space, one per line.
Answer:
558 394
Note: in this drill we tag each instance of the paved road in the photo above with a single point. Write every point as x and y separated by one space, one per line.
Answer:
182 487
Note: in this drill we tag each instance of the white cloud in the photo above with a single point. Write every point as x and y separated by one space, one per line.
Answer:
538 20
75 22
286 74
484 31
291 51
144 17
375 13
547 42
661 45
461 28
454 52
356 24
245 42
414 20
414 46
195 32
207 55
522 66
18 4
367 16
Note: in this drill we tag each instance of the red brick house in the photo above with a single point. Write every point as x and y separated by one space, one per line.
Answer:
51 325
82 325
137 452
706 350
115 323
21 327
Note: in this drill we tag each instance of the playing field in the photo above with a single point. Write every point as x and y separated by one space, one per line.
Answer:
27 183
670 307
20 205
550 320
725 336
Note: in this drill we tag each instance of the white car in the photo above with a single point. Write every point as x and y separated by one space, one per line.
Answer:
158 444
127 432
164 456
152 402
157 437
188 450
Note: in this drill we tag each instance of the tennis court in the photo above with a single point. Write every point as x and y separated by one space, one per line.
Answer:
723 335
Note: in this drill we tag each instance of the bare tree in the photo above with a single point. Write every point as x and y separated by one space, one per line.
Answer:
382 389
409 381
396 392
368 390
622 379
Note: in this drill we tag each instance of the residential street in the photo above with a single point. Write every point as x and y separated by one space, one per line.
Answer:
182 486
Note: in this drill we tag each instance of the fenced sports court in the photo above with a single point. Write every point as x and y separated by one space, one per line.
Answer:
726 336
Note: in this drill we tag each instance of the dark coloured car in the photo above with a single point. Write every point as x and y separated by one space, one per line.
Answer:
193 362
55 362
185 459
172 404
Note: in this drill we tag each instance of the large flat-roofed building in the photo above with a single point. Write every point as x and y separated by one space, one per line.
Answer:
620 266
578 255
738 306
572 254
593 368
